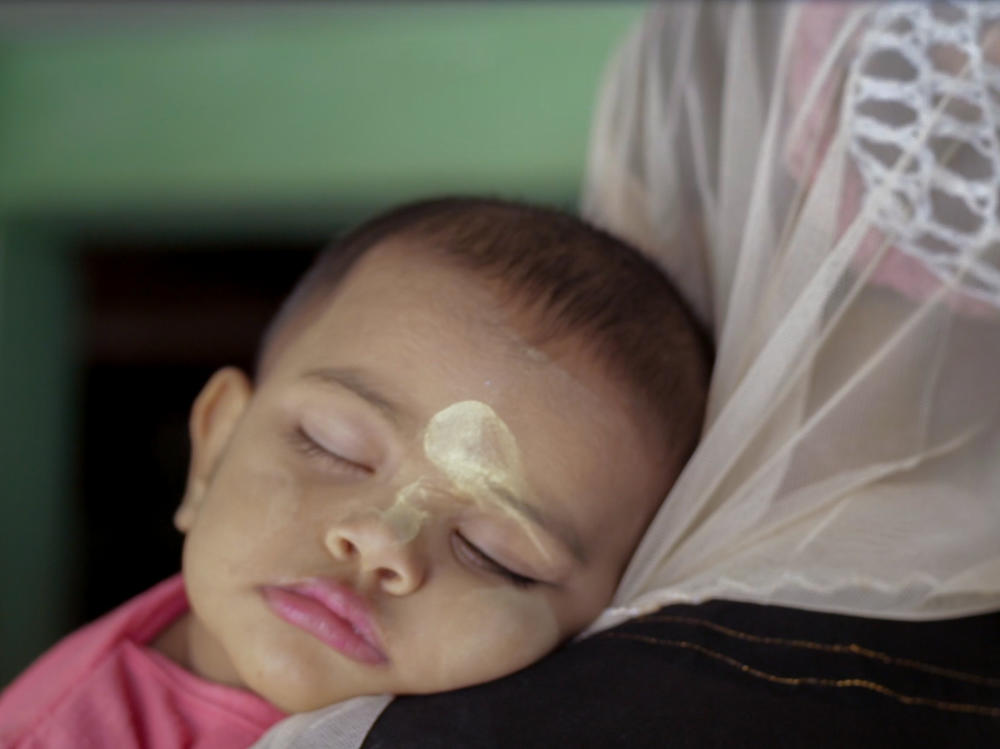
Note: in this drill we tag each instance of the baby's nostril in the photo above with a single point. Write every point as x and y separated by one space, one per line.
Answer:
388 575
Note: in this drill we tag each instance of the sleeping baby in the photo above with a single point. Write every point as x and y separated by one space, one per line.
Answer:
462 420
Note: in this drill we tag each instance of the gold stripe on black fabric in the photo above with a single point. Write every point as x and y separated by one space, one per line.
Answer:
958 707
840 648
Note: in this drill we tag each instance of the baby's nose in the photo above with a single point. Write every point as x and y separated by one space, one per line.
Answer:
368 541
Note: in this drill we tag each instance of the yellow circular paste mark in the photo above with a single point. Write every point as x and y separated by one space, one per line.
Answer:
478 453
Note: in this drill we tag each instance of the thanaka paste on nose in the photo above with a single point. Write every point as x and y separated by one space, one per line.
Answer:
405 517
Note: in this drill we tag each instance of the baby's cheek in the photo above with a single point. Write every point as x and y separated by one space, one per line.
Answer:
251 509
275 495
490 632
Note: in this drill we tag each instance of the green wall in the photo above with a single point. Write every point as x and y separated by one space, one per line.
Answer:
256 120
342 105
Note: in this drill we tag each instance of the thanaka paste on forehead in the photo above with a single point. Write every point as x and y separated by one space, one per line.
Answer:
478 453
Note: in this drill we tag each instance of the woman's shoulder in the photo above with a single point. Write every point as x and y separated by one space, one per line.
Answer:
730 673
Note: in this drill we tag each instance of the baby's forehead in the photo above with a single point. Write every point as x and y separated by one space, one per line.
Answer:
452 297
407 292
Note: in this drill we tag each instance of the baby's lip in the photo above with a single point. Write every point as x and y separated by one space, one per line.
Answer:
345 603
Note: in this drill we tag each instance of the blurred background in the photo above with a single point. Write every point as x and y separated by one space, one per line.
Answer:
166 172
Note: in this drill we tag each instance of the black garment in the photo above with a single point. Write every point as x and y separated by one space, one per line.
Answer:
733 675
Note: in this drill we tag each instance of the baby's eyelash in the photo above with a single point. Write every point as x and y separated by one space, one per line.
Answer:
492 565
306 445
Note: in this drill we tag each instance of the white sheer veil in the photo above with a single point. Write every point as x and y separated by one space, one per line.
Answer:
822 181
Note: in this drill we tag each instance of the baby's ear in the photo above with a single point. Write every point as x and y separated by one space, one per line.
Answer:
214 416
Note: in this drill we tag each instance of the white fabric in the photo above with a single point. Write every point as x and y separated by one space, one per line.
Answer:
340 726
822 180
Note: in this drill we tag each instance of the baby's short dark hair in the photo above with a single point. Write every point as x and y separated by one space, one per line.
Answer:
577 281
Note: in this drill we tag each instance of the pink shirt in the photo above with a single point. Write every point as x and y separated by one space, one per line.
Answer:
102 687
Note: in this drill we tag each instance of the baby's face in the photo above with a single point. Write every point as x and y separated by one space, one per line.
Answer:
412 500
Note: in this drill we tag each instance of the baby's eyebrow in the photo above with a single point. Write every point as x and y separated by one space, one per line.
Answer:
358 383
562 531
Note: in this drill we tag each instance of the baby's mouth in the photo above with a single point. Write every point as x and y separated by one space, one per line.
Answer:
333 613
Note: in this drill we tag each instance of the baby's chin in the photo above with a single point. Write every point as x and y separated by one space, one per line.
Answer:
295 690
